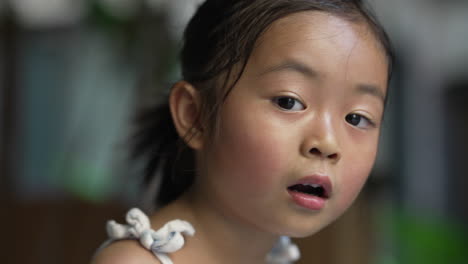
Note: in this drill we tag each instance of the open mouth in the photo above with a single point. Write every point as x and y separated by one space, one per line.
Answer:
310 189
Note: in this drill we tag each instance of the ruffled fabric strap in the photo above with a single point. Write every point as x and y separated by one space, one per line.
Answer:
284 252
167 239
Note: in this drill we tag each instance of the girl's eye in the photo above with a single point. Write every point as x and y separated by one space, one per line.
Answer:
359 121
289 103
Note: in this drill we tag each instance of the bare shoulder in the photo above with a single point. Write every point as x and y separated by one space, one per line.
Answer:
125 252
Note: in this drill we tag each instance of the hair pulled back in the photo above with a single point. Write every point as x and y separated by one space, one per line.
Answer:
218 42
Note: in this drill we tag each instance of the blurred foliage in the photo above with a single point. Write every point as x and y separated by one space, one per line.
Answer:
102 17
430 240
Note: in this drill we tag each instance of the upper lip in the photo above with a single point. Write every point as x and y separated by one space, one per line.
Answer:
322 180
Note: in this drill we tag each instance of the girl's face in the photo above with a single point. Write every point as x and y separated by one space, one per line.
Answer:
306 111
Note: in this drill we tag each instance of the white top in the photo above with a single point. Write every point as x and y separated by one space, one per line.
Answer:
169 238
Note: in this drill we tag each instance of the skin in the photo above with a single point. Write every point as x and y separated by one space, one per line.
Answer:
331 68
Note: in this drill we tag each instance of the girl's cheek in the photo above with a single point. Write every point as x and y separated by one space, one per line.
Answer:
353 177
255 161
253 156
350 190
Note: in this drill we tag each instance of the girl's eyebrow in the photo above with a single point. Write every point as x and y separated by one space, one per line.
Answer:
370 90
296 66
292 65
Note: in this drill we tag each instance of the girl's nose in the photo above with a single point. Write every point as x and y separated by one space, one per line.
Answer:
325 153
322 141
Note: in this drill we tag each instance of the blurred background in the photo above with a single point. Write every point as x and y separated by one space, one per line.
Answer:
72 73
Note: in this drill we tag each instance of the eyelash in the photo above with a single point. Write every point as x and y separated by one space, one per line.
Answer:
370 122
278 101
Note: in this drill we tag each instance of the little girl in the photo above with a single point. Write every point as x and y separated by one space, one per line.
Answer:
271 133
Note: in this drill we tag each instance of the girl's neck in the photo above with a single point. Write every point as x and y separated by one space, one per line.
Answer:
218 238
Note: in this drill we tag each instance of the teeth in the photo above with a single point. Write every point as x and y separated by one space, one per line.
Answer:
313 185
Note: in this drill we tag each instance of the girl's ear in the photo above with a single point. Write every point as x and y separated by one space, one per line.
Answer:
184 102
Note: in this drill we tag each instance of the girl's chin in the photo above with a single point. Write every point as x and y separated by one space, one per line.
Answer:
302 232
308 227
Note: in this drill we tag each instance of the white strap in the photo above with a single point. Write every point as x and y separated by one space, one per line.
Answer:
284 252
167 239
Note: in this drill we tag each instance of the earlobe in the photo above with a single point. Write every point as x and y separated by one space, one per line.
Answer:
184 102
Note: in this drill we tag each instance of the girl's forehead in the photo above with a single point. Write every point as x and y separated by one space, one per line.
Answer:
323 41
315 25
323 22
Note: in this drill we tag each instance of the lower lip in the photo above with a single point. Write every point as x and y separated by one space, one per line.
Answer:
307 201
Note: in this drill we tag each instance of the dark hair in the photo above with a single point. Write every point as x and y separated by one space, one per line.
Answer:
218 42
